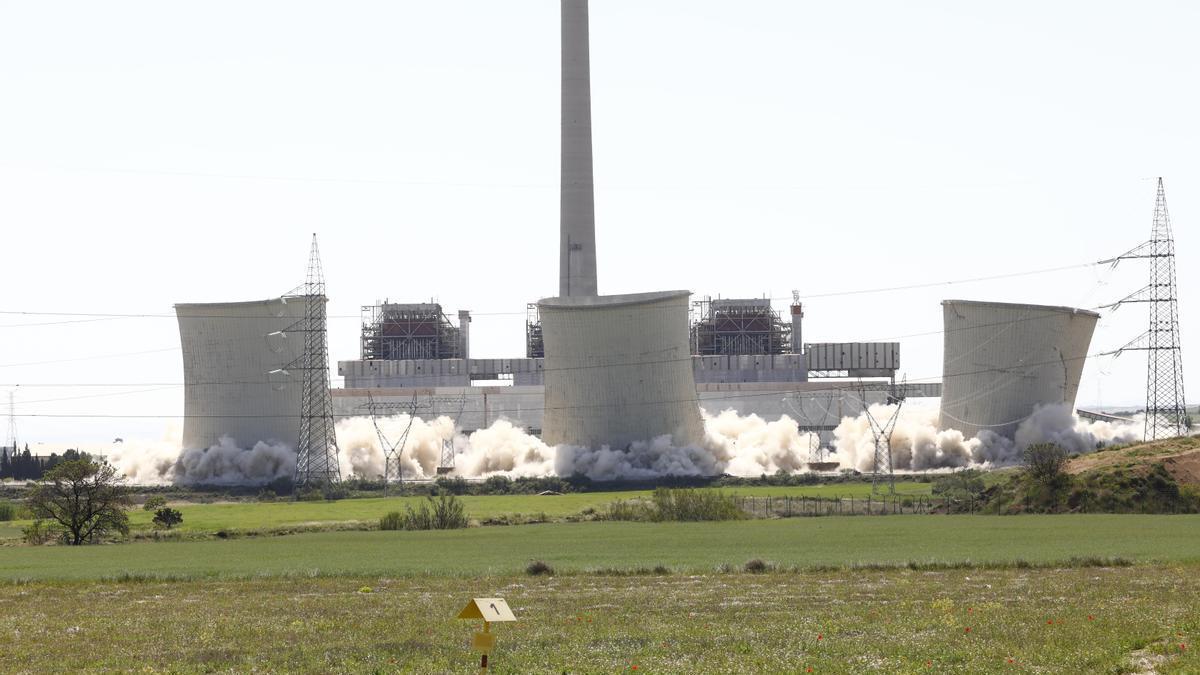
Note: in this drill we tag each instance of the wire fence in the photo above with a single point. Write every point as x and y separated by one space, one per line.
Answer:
869 505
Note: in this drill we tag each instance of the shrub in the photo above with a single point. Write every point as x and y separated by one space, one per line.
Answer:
497 485
334 492
282 486
455 486
695 505
393 520
38 532
8 511
310 494
756 566
154 503
167 518
539 568
632 510
966 483
1045 463
444 513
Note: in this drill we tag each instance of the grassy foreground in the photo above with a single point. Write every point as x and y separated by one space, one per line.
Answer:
1092 620
683 547
245 516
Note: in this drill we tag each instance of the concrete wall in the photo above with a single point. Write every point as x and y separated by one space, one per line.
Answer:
229 353
1001 360
618 370
459 372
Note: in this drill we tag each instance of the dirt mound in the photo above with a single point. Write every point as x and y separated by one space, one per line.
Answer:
1185 468
1180 456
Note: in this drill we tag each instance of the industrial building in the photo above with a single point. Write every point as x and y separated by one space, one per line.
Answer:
235 371
613 369
1002 360
403 332
598 370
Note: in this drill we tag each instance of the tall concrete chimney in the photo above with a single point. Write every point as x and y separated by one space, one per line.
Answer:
577 213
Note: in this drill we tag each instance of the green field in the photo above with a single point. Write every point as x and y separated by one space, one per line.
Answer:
244 516
1088 620
690 547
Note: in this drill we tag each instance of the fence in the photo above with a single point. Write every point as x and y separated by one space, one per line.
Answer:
869 505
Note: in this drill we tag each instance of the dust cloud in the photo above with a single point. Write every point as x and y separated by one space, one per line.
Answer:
733 444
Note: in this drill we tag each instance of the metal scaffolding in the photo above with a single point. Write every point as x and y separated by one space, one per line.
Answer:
724 327
396 332
535 346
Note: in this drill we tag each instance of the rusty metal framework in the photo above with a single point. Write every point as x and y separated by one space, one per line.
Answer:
730 327
396 332
535 345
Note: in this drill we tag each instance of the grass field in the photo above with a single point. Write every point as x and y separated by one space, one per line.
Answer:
1091 620
683 547
244 516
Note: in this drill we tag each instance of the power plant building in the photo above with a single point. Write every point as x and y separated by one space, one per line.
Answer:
1002 360
235 371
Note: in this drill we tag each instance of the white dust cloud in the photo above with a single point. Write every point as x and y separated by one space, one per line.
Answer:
918 445
733 444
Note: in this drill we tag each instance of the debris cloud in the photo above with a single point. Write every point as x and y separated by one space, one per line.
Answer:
733 444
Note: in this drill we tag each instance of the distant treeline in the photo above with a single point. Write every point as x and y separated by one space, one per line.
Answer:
28 466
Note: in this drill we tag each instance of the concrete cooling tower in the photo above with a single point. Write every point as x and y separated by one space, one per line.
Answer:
234 360
1002 360
618 369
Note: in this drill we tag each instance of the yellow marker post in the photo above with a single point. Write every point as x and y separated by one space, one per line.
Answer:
491 610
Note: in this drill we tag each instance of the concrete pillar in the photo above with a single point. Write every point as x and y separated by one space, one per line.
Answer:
797 328
464 333
577 217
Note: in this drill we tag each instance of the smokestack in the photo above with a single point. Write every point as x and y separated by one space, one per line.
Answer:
577 216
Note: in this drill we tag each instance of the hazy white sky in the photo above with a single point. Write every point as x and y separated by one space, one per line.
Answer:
154 153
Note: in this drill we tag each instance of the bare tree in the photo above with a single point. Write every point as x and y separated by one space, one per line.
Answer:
83 497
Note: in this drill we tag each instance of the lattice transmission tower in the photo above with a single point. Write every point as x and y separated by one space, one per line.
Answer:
882 474
316 450
1166 407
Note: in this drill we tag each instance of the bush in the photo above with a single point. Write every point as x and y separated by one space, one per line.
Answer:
964 484
444 513
154 503
756 566
282 486
539 568
393 520
8 511
310 494
679 505
695 505
167 518
497 485
455 486
632 510
39 532
1045 463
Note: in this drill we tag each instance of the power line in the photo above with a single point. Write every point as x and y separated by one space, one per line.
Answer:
848 385
863 291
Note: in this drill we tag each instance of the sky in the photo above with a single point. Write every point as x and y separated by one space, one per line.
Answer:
153 153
